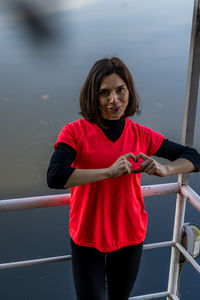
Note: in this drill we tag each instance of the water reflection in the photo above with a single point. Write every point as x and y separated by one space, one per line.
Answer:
39 93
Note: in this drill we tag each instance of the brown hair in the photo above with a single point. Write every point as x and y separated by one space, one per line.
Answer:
89 97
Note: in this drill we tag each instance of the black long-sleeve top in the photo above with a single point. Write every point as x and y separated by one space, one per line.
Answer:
60 168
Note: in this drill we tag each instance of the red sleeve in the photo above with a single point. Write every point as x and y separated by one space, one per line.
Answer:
67 136
151 140
155 140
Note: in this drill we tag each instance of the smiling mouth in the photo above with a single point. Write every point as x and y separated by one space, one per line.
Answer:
114 109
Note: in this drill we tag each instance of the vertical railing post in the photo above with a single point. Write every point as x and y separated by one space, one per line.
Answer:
187 139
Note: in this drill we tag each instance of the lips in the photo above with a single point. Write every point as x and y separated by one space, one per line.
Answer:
114 108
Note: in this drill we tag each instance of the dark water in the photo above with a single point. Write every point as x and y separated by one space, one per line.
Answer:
39 89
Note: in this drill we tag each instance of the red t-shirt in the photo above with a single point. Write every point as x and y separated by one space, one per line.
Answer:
108 214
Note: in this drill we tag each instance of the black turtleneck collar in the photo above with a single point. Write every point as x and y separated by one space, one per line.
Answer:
112 128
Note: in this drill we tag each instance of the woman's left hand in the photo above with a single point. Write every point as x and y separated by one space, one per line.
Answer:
150 166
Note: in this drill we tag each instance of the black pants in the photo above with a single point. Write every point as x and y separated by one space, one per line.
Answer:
92 268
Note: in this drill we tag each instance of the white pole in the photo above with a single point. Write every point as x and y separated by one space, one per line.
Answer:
150 296
188 257
34 202
187 139
158 245
64 199
175 254
191 196
33 262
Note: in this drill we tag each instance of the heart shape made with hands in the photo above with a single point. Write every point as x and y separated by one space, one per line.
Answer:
136 161
136 168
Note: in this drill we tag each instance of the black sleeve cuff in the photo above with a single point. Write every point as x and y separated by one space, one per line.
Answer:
172 151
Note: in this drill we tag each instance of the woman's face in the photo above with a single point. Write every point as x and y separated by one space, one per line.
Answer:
113 97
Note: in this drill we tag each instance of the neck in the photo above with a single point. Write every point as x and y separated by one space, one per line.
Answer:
108 122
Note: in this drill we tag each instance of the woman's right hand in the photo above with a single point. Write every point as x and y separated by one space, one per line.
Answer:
121 166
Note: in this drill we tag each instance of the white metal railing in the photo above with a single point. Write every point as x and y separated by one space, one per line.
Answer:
188 256
188 130
182 189
64 199
191 195
151 296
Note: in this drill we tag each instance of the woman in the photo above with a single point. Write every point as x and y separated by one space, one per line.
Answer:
101 158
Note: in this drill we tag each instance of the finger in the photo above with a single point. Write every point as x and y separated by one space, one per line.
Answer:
150 167
130 155
136 171
125 162
148 164
142 155
128 167
151 171
129 163
126 170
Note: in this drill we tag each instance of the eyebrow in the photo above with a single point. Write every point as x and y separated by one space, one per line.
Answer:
122 85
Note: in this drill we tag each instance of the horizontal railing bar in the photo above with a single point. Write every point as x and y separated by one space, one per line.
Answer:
67 257
151 296
64 199
188 257
160 189
34 202
158 245
32 262
191 196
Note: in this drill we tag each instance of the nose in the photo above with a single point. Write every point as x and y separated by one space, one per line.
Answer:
113 98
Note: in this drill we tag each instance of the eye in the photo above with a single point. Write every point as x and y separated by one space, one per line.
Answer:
104 93
121 90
